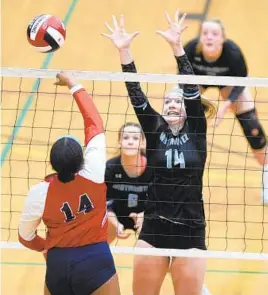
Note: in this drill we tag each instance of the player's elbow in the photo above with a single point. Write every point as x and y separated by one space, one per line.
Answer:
98 176
25 233
35 242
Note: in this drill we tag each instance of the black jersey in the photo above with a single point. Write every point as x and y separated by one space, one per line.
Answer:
230 63
126 193
177 162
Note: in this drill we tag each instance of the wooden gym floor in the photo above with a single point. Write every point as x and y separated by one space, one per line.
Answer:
236 219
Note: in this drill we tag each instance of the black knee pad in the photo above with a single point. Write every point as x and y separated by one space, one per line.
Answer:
252 129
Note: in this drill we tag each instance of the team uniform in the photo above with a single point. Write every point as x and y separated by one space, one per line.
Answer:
174 214
231 63
125 194
79 260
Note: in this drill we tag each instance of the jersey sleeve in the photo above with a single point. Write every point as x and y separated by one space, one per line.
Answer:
95 158
238 67
149 119
95 152
31 217
192 99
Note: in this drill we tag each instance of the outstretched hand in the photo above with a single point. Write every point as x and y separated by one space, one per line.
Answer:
120 232
175 29
120 38
65 79
220 113
138 220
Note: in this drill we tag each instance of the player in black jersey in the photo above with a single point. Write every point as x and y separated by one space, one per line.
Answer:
127 183
213 54
176 153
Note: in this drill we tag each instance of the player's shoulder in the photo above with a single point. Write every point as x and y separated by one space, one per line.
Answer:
50 177
38 190
231 47
113 162
147 174
114 169
191 45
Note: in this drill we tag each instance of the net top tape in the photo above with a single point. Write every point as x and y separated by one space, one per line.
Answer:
167 252
137 77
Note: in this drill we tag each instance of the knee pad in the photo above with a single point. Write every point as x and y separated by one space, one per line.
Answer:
252 129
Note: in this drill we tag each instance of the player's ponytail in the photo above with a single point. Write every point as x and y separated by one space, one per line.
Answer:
209 107
66 158
65 176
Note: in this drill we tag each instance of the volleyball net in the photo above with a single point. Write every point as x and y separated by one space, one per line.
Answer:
35 113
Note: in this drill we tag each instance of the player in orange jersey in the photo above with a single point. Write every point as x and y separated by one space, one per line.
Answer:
72 205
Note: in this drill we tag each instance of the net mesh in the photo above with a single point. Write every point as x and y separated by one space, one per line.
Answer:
35 113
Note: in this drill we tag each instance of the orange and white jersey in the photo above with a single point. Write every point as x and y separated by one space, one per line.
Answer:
74 212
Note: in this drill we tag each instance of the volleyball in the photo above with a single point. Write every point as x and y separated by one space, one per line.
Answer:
46 33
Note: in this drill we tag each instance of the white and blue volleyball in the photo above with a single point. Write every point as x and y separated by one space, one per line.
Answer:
46 33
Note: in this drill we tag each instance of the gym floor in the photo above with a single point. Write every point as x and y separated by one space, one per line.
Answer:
237 221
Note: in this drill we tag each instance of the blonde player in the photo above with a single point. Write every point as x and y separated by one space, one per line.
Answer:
127 178
176 153
213 54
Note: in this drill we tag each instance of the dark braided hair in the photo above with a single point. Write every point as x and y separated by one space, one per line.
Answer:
66 158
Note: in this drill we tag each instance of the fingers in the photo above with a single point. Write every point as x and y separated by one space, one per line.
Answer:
123 236
217 122
115 22
134 217
183 28
106 35
182 19
168 18
122 22
177 16
135 34
162 33
109 28
58 79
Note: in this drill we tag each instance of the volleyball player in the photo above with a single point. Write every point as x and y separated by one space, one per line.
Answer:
213 54
176 151
127 179
72 205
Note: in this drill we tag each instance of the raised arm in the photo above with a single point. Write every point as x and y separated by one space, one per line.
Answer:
147 116
192 99
95 152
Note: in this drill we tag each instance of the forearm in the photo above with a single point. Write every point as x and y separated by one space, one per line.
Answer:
137 97
92 120
178 50
185 68
36 244
112 218
125 56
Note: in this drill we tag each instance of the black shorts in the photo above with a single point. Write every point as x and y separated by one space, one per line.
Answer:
127 222
168 235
